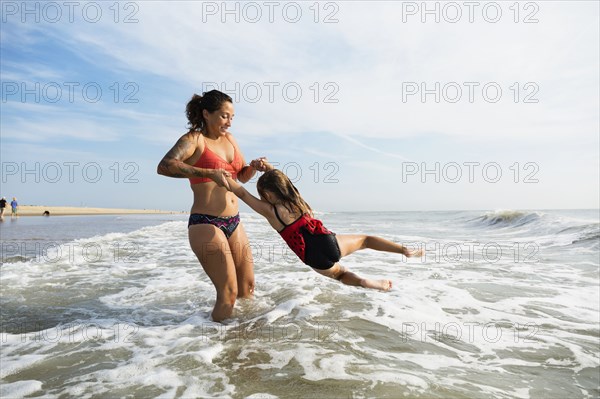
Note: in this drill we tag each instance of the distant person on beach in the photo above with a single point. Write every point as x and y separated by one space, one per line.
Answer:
2 206
319 248
208 154
15 207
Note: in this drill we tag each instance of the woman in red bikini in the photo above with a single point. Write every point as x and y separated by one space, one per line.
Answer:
208 155
319 248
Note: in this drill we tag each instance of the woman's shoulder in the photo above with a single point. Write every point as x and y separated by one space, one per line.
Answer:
194 135
194 138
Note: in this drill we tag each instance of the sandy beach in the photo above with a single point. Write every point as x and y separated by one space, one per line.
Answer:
38 210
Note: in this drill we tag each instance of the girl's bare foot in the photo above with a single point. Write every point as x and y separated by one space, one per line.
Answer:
414 253
384 285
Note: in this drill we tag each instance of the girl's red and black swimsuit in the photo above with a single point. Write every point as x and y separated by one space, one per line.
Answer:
311 241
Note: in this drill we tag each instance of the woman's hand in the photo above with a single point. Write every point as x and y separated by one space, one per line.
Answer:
261 164
220 176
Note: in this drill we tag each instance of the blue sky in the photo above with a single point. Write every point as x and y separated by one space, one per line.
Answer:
341 95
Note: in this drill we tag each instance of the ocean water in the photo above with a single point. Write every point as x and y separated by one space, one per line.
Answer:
504 304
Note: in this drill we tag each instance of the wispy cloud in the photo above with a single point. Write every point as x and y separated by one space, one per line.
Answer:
371 148
352 78
369 58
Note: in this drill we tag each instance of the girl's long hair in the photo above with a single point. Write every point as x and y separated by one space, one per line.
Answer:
278 184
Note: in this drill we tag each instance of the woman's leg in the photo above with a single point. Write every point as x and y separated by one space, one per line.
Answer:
212 250
350 243
244 264
339 272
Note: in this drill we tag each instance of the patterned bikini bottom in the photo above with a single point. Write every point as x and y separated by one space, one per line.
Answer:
227 224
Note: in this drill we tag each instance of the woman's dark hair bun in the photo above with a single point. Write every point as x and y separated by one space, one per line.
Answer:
211 101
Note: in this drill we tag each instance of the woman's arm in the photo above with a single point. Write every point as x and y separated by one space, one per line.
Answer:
246 174
173 165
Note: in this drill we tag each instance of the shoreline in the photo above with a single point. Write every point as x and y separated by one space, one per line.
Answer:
38 210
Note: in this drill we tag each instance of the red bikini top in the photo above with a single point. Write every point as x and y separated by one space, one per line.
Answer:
209 160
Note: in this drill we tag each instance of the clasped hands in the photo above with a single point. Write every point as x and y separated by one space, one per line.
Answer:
259 164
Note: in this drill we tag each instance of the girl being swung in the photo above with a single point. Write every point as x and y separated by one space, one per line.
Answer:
319 248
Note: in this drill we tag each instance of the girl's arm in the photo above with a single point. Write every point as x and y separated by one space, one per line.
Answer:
258 205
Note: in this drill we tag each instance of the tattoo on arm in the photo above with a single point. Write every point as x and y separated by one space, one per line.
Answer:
183 146
172 164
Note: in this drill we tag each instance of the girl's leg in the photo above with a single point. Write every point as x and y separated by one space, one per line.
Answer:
350 243
338 272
